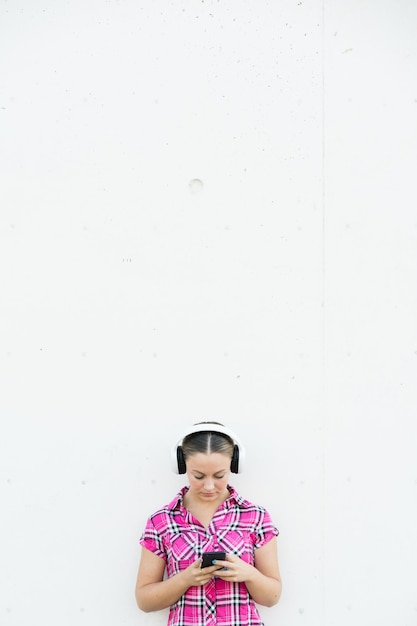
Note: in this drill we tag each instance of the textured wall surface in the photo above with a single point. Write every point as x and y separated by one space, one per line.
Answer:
208 211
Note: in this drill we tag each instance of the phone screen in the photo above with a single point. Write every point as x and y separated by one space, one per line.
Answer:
208 557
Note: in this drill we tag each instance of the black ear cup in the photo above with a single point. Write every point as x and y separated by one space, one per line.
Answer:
234 465
180 461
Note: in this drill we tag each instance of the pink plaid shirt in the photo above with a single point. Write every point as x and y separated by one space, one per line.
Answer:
238 527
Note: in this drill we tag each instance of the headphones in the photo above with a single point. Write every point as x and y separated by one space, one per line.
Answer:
177 454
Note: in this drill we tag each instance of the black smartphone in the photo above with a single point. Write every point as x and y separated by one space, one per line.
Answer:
209 557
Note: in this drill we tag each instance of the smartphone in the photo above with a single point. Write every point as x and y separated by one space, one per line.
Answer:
208 557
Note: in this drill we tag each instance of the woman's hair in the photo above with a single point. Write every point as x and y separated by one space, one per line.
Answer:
207 441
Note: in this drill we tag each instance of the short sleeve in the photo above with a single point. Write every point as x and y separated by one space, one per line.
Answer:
265 531
152 540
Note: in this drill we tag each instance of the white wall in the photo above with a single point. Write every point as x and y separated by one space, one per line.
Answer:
278 295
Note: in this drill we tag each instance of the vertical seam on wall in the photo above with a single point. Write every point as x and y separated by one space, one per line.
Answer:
323 304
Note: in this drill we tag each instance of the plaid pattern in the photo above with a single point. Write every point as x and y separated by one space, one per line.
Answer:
238 527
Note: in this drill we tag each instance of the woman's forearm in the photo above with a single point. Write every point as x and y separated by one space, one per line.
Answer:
160 595
264 590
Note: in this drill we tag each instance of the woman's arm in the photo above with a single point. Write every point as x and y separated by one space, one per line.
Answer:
266 585
153 593
263 580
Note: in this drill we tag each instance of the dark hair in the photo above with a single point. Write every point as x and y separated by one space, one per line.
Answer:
207 441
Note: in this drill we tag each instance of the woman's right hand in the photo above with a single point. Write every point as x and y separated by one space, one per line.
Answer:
198 576
155 592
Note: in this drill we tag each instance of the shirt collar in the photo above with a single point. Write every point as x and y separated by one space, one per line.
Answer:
177 502
234 497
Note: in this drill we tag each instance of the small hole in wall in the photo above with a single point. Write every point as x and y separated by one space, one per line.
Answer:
196 185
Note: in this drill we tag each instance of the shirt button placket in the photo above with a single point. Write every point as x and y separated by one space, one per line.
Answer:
211 619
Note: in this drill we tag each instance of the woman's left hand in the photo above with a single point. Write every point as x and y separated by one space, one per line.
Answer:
235 569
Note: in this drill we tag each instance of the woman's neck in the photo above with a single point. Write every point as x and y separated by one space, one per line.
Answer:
198 507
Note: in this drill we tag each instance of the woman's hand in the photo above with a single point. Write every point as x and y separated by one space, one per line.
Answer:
154 592
198 576
263 580
234 569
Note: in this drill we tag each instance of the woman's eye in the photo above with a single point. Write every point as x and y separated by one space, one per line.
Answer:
215 477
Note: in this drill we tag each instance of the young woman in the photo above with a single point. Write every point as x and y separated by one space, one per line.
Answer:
209 516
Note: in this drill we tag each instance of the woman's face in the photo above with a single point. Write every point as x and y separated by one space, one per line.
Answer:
208 475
